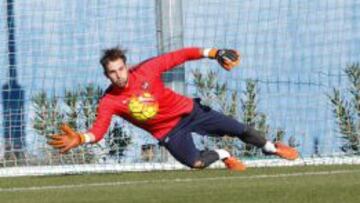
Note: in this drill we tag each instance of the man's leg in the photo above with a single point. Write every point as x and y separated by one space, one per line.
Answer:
181 146
209 121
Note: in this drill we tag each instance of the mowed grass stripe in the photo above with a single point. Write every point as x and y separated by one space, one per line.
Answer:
175 180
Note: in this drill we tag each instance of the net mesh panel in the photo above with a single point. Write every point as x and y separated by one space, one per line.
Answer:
295 52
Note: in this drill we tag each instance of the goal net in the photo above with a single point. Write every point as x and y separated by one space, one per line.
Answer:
298 81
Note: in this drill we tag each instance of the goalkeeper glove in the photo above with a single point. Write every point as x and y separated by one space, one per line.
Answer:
227 58
68 140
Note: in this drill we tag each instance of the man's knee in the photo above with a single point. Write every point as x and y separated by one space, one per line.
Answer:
198 164
205 159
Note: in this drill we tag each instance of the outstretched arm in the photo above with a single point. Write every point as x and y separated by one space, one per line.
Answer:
70 139
227 58
170 60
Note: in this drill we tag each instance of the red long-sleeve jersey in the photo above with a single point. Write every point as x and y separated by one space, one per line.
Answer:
146 102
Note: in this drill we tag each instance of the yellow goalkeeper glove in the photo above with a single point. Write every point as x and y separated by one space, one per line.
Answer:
227 58
67 140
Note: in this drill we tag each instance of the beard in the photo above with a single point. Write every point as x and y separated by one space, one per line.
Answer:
121 83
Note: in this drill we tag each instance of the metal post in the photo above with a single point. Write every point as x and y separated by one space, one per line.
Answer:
170 37
13 99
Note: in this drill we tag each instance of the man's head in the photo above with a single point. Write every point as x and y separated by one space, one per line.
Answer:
114 63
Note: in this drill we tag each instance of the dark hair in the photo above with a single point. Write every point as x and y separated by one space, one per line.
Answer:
112 54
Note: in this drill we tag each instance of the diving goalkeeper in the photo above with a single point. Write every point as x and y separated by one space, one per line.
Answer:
139 96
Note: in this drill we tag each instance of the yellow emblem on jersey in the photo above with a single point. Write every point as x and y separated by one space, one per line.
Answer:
143 107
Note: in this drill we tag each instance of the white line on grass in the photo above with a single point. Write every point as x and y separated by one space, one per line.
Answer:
71 186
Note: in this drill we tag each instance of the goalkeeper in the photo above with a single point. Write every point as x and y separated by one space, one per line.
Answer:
139 96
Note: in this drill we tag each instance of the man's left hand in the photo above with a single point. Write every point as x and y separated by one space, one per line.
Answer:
227 58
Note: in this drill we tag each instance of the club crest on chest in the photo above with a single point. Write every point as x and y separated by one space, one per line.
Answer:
145 85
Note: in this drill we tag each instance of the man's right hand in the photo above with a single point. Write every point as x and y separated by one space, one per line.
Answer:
67 140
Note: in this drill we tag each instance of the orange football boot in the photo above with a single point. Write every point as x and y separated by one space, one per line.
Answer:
234 164
285 151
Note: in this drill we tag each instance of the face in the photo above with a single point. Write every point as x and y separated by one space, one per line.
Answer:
118 73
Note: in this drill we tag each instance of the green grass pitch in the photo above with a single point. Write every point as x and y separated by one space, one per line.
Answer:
276 184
